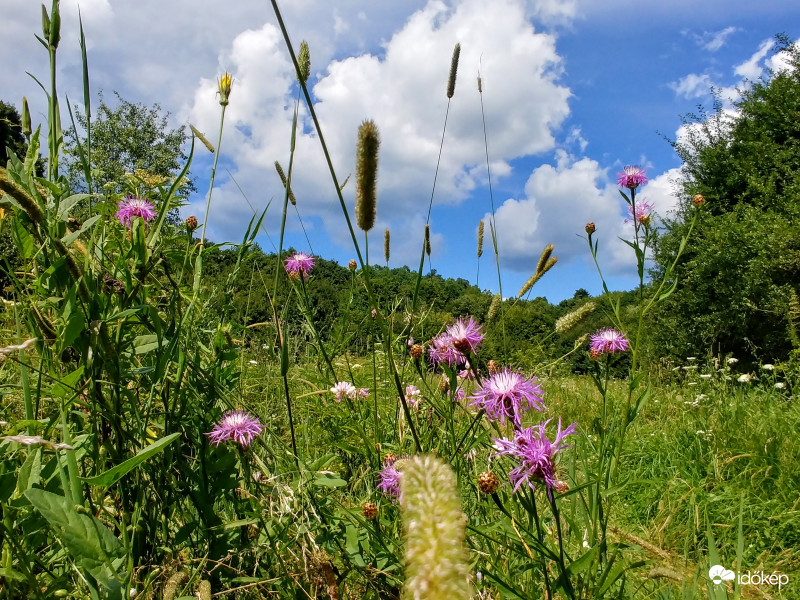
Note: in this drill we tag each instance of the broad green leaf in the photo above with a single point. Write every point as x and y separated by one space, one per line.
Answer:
29 472
64 387
110 477
87 225
330 481
90 544
146 343
67 203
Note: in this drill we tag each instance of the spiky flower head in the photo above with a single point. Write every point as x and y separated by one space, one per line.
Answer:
304 61
608 341
299 263
191 223
436 565
507 394
571 319
465 334
451 80
131 207
631 177
488 483
590 228
698 200
416 351
224 88
535 453
367 175
480 238
236 426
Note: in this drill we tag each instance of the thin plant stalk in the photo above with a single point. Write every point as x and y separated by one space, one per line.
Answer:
213 173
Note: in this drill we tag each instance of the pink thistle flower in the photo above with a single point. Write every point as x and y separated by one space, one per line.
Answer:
536 454
465 334
442 350
508 395
236 426
344 389
300 263
459 395
632 177
413 395
608 341
642 213
389 482
130 208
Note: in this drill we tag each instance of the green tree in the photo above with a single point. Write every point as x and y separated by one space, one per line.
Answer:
743 261
11 133
124 139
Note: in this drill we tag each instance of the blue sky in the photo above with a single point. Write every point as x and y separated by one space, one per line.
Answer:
573 91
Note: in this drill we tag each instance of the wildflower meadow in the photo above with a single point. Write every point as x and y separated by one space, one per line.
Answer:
159 439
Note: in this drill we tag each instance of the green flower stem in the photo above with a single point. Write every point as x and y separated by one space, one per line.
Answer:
213 173
367 281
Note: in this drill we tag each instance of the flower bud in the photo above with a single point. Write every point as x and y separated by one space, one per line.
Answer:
698 200
590 228
352 265
26 118
493 367
416 351
191 223
224 88
369 510
488 482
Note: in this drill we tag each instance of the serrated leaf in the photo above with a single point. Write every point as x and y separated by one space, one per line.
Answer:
110 477
89 542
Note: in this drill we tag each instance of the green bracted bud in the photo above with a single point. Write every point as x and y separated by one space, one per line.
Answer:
54 35
436 565
26 119
45 24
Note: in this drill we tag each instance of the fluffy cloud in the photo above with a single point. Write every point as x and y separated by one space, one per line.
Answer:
403 91
693 85
751 68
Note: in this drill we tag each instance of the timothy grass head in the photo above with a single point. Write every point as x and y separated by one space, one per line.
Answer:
367 175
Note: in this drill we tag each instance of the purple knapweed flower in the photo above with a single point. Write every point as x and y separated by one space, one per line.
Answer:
389 482
535 453
642 213
507 394
632 177
363 392
299 263
608 341
442 350
237 426
465 334
130 208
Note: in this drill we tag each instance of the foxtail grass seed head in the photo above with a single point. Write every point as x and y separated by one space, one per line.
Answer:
571 319
224 88
202 138
698 200
493 308
284 181
26 118
480 238
480 86
428 240
434 531
590 228
528 284
488 483
386 239
551 262
451 80
367 175
548 250
304 61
